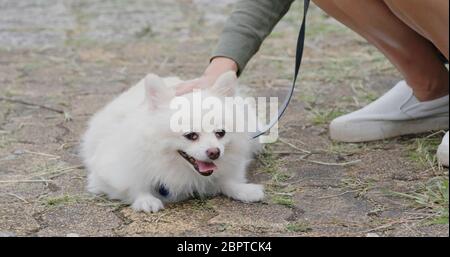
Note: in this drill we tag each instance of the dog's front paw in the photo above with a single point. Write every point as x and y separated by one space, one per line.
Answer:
147 203
247 193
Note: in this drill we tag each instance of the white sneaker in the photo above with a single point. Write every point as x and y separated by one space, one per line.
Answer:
396 113
442 152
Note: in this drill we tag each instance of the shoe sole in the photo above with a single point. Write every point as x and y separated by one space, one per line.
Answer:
378 130
442 155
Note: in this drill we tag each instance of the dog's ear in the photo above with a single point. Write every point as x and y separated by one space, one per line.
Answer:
225 84
157 94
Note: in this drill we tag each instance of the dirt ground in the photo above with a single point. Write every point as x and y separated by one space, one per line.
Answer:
60 61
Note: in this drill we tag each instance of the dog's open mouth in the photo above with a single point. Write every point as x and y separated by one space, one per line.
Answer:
204 168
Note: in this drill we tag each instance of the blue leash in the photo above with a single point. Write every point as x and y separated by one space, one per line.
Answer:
298 62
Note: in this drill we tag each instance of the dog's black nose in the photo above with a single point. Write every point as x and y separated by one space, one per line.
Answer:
213 153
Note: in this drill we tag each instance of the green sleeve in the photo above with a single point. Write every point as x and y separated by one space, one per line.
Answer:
248 25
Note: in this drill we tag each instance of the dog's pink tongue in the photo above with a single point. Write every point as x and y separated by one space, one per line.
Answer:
206 166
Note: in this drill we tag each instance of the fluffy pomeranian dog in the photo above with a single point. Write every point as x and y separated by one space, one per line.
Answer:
132 154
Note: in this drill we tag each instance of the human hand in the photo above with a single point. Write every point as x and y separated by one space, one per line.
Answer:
217 67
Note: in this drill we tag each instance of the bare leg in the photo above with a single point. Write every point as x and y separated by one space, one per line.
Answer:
413 54
416 13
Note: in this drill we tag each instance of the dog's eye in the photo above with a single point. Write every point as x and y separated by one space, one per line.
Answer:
220 133
191 136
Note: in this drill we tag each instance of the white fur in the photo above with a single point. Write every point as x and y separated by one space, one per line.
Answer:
129 150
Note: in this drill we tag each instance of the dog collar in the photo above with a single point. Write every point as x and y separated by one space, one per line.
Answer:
163 191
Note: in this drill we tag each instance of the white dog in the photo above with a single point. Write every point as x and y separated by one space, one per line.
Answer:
133 155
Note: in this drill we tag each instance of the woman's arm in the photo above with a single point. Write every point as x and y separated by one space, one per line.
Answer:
248 25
